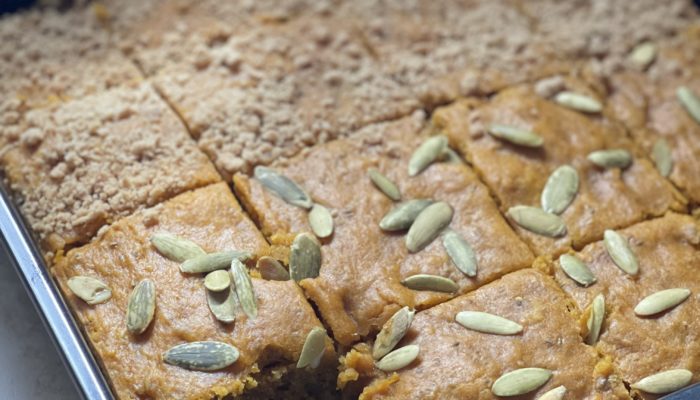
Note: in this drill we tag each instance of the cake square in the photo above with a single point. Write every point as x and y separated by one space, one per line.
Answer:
82 164
667 250
362 267
122 255
458 363
516 175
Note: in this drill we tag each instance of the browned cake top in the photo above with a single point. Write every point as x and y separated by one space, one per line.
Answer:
359 286
123 256
667 250
84 163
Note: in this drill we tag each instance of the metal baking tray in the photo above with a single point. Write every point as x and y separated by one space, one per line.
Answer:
64 331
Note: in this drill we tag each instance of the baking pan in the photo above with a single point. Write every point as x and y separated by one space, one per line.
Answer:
63 330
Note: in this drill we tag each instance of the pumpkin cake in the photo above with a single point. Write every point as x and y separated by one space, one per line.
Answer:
606 197
667 251
84 163
455 362
362 266
269 344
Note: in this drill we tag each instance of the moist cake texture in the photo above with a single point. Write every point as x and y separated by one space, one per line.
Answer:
124 255
556 140
362 267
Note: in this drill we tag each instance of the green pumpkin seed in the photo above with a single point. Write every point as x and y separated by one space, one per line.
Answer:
615 158
430 282
538 221
175 248
244 289
557 393
427 153
202 356
223 305
402 216
620 252
460 252
218 280
577 270
283 187
321 221
384 184
661 155
90 290
643 55
488 323
399 358
305 257
664 382
690 101
450 156
392 332
141 307
520 381
595 319
213 261
428 225
271 269
560 189
314 346
661 301
518 136
578 102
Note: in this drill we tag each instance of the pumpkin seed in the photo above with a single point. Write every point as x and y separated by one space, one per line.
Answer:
578 102
430 282
460 252
305 257
271 269
384 184
427 153
428 225
314 346
141 307
615 158
664 382
516 135
642 55
661 301
321 221
620 252
595 319
223 304
202 356
560 189
392 332
90 290
218 280
520 381
402 216
661 155
690 101
538 221
577 270
213 261
399 358
555 394
487 323
175 248
244 289
282 187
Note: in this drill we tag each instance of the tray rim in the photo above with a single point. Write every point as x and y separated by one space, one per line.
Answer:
48 301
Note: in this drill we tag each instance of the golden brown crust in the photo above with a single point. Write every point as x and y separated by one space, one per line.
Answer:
668 250
123 256
359 287
516 175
